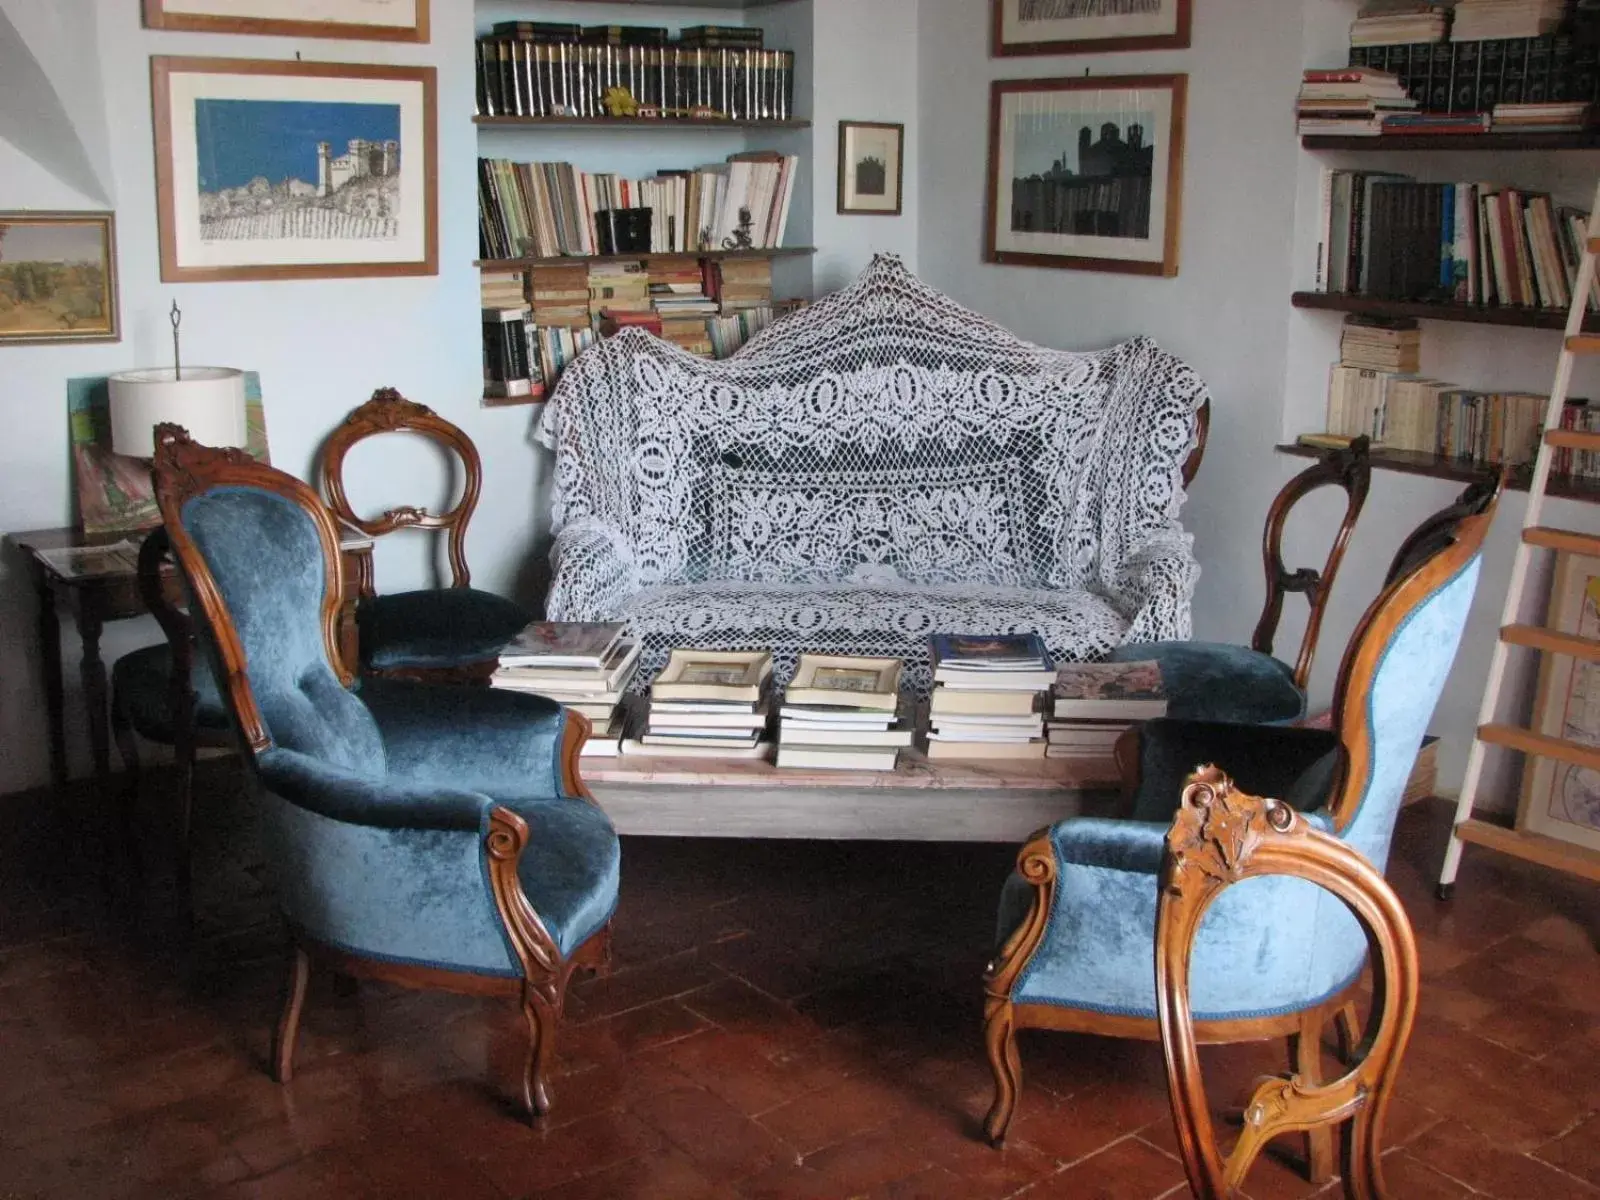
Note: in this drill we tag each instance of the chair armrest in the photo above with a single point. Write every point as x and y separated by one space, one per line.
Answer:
1155 586
1116 845
1302 767
496 742
356 799
593 572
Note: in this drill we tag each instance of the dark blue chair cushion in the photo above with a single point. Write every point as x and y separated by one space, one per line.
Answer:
140 685
437 627
1214 681
1297 766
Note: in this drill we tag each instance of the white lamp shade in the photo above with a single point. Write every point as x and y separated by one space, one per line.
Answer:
207 401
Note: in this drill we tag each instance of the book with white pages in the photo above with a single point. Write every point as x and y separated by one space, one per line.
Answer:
978 751
633 746
606 747
989 721
833 759
899 735
720 740
993 681
837 717
580 644
941 734
702 706
713 675
613 676
736 719
956 702
846 681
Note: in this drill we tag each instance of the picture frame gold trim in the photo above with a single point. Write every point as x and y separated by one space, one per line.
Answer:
1180 39
1167 266
156 16
844 207
107 222
163 68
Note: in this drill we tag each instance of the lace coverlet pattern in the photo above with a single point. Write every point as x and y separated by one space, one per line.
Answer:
880 460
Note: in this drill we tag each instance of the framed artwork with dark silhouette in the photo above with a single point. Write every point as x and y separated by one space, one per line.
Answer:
1087 173
1090 26
871 168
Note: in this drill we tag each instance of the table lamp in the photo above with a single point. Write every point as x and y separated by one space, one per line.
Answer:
207 401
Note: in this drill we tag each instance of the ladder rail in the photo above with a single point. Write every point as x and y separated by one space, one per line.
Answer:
1511 612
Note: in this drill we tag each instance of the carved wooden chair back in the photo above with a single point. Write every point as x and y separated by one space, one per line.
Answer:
1350 470
390 412
1202 431
1220 837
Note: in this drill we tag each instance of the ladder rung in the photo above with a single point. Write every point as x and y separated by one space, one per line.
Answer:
1584 343
1561 539
1536 637
1572 439
1525 740
1535 847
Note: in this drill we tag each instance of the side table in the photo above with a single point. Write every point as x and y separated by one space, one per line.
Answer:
96 588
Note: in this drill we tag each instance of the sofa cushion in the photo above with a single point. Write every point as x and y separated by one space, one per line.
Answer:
961 522
437 627
875 616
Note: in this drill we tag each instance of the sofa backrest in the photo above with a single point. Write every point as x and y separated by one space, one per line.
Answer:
883 432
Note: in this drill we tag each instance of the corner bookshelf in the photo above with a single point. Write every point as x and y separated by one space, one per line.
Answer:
627 137
1458 470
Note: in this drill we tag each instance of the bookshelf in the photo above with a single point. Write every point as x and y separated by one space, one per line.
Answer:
1500 143
1433 466
561 260
1473 314
663 124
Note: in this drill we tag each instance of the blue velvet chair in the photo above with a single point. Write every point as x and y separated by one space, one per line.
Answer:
442 635
429 836
1216 681
1274 957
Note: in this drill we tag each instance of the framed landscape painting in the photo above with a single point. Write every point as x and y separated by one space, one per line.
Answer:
58 277
1562 800
383 20
294 170
871 167
1090 26
1087 173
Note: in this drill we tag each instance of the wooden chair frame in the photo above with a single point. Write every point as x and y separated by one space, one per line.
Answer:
1463 527
183 469
1350 470
1202 433
1222 836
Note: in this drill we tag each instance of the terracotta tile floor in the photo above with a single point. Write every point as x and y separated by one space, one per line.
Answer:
784 1020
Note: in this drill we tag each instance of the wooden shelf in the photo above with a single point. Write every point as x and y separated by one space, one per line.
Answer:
528 401
1475 314
632 123
1411 462
1412 142
561 260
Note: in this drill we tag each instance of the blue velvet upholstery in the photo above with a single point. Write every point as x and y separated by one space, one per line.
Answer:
378 800
1267 946
1214 681
141 684
437 627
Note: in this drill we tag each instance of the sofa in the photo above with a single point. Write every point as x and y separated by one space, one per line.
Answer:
879 466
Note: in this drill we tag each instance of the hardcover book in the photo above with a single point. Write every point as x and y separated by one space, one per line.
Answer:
1131 691
846 682
713 675
989 652
563 644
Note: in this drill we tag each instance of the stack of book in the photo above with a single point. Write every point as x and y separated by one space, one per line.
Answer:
508 366
1470 77
1552 117
1386 26
619 287
1578 464
560 294
555 348
1480 20
731 332
585 666
1094 704
1381 344
985 696
738 284
502 289
843 713
1351 101
546 210
1429 416
708 704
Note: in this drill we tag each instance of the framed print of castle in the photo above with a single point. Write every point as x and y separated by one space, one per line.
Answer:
1090 26
294 170
871 168
1087 173
381 20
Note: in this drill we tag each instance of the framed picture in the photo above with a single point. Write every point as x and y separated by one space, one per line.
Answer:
381 20
1090 26
58 278
846 681
294 170
1561 800
871 167
1087 173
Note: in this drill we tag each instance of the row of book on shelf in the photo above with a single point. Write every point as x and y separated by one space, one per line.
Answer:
551 209
1389 237
994 697
1366 102
555 69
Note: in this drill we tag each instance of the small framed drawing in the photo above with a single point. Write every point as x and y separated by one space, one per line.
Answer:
1087 173
1562 800
58 277
871 167
1090 26
294 170
375 20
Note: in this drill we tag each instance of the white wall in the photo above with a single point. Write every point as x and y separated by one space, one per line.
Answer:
322 346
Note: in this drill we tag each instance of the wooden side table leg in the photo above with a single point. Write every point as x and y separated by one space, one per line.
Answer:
50 665
95 695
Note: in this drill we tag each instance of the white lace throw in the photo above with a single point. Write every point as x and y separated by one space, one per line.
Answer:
879 466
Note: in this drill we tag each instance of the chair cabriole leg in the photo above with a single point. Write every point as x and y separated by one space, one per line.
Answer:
1000 1039
288 1030
1305 1058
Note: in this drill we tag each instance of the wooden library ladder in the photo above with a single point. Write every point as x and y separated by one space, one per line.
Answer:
1536 538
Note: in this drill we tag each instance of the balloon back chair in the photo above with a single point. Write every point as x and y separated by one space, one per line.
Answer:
429 836
1216 681
1275 957
442 635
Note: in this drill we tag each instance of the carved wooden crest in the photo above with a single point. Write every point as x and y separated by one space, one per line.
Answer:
1218 829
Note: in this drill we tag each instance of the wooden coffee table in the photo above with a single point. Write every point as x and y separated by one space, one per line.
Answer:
919 801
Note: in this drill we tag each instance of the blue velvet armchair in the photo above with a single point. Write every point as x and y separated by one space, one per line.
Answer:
1274 956
1216 681
429 836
